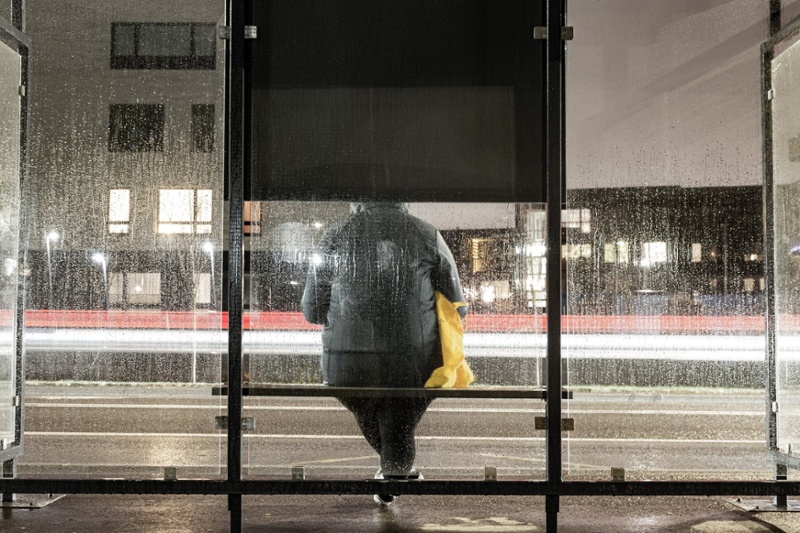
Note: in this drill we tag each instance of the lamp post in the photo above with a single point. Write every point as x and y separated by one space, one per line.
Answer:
51 237
208 247
101 260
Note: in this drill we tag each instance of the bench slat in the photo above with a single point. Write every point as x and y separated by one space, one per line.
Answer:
273 389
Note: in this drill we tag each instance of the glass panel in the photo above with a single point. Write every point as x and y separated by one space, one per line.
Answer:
165 40
786 155
664 325
9 233
359 100
124 323
497 251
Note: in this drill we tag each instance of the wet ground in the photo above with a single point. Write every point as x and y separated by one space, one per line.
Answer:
136 432
410 514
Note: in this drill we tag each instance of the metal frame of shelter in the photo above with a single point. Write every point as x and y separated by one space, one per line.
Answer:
553 487
778 35
11 34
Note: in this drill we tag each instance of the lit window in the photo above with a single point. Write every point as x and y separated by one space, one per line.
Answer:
252 218
577 218
116 296
184 211
479 253
202 288
752 257
576 251
143 288
492 291
761 284
749 284
653 253
697 252
610 253
119 210
135 288
623 255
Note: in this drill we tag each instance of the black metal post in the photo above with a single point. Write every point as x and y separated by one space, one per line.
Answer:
18 14
771 373
556 20
774 17
235 178
9 468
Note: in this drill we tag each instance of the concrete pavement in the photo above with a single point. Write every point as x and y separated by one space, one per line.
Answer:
411 514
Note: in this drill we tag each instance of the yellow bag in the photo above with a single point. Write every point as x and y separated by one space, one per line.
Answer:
455 373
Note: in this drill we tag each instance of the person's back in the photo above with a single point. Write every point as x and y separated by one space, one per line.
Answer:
373 290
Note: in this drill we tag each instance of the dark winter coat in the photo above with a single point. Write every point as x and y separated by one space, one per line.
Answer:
371 282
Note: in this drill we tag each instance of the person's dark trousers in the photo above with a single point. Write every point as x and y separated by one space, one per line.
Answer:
389 424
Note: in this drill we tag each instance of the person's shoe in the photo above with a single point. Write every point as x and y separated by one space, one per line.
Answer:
384 500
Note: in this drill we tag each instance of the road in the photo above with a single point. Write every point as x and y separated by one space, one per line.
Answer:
136 431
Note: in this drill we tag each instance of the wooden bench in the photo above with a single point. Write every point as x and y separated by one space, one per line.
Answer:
281 389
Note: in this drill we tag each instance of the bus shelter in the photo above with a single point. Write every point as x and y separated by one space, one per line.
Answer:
619 199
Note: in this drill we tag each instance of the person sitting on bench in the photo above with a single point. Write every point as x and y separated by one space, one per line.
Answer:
371 282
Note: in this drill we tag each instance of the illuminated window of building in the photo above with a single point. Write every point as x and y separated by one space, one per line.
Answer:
610 253
143 288
576 251
749 284
752 257
202 288
697 252
184 211
252 218
623 253
480 248
116 294
761 284
491 291
653 253
577 219
134 288
119 210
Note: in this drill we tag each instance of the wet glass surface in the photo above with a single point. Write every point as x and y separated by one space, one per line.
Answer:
405 101
124 326
786 191
9 233
664 280
300 247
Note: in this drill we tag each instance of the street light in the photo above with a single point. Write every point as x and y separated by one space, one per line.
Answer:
51 237
208 247
101 260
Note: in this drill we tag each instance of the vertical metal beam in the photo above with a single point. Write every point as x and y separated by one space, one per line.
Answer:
774 17
556 19
18 14
235 179
771 368
9 468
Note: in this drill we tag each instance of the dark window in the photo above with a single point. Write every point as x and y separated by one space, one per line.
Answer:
137 45
136 128
203 127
